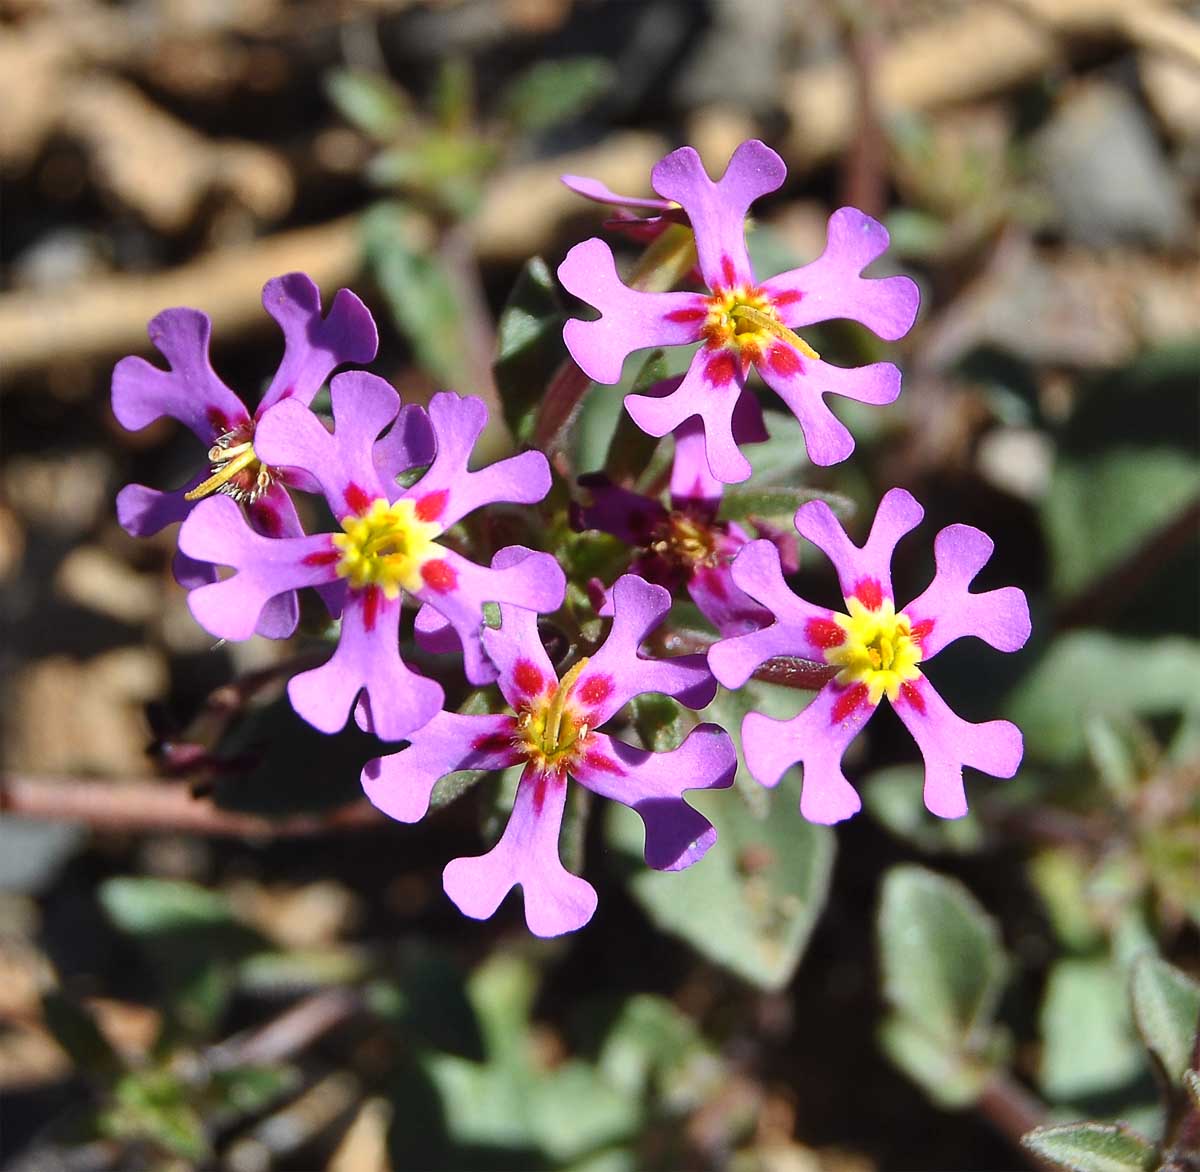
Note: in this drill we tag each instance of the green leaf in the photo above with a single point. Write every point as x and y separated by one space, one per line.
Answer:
751 903
1092 1147
1088 1042
370 101
660 721
778 504
1166 1008
1085 673
893 797
246 1090
74 1028
630 455
1102 505
652 1051
952 1078
153 1105
552 92
150 906
943 962
444 170
529 345
419 293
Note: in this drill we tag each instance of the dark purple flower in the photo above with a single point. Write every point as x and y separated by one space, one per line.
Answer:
741 322
388 545
880 652
191 392
554 728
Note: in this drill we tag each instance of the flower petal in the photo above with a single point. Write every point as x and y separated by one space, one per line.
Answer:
407 444
691 479
291 436
314 346
630 320
731 610
617 672
142 511
717 211
653 784
947 742
448 490
817 738
555 900
757 571
627 515
190 391
457 589
400 783
519 654
947 610
710 391
831 287
801 383
865 570
216 532
367 658
593 189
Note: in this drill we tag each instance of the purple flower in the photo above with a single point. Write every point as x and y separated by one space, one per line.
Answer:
741 323
388 544
880 652
685 545
191 392
554 729
640 228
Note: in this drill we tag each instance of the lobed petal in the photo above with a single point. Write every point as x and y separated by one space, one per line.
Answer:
758 572
216 532
947 742
717 211
802 382
729 608
832 285
617 672
142 511
342 462
630 320
314 346
517 650
709 392
448 489
518 577
870 564
407 444
947 610
527 854
399 701
653 784
400 783
189 391
817 738
596 191
691 478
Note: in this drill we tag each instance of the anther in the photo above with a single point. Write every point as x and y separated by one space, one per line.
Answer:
765 321
227 472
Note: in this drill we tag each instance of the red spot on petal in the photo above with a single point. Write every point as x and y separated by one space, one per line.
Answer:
439 576
286 393
785 361
218 421
824 633
869 592
541 787
594 690
787 297
728 271
357 498
713 581
912 694
848 702
370 607
720 369
269 522
699 313
491 742
527 678
322 557
431 506
602 764
922 630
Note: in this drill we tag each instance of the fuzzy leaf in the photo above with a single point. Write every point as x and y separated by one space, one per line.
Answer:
371 102
552 92
1166 1008
529 344
778 503
1092 1147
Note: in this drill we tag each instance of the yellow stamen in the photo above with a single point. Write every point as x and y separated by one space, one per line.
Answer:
765 321
243 459
878 651
552 729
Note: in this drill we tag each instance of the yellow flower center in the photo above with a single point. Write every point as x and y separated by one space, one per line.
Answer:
879 649
745 318
236 469
552 734
386 547
684 540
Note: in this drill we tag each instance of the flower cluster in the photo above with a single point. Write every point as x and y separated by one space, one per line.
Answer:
399 481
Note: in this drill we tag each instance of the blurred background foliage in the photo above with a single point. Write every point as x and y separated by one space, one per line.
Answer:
266 975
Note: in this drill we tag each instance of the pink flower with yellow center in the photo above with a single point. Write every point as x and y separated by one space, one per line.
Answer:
390 544
880 652
741 322
553 727
191 392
